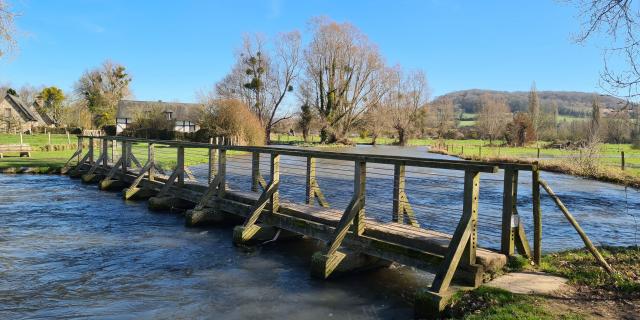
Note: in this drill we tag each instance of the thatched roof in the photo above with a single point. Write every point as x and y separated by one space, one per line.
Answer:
180 111
44 116
28 114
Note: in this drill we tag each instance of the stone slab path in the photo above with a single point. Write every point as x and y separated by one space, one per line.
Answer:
529 283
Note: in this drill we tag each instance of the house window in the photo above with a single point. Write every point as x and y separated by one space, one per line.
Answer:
169 115
7 112
185 126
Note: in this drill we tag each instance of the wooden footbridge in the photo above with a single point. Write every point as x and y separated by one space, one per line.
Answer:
354 239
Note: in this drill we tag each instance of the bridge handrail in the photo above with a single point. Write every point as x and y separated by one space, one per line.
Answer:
409 161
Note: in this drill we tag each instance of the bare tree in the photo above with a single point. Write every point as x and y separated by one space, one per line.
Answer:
620 21
262 79
443 114
534 109
102 88
407 94
594 127
344 74
7 29
493 118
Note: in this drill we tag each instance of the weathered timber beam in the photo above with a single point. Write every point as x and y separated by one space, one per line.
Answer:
465 233
587 242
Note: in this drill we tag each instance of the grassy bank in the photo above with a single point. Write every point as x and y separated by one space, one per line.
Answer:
582 167
592 293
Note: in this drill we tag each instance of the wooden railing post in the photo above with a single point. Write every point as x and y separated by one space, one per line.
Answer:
537 216
125 156
359 190
274 202
222 172
91 148
80 148
513 235
508 207
212 160
310 179
151 159
463 245
255 171
398 189
180 165
470 206
105 152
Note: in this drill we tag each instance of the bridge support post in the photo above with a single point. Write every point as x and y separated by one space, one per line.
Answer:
401 206
109 183
312 188
76 155
513 235
77 172
461 251
163 201
537 215
325 262
268 199
133 191
91 175
256 178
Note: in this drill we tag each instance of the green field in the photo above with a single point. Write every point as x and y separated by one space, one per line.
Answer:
37 140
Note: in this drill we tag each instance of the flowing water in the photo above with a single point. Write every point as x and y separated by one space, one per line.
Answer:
68 250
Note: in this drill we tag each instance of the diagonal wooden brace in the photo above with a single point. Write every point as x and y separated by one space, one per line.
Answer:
343 226
66 166
133 188
211 192
463 242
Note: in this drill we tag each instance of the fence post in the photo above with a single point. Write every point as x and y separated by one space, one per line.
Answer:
622 160
212 160
80 147
105 152
151 159
91 150
255 171
49 138
537 215
222 171
274 204
398 189
538 153
359 186
508 205
180 166
479 151
310 179
125 156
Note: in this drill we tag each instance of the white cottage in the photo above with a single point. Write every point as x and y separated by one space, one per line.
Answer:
184 115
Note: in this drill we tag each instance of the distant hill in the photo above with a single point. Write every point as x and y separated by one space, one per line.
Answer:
568 102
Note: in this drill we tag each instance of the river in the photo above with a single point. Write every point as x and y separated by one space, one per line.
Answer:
70 251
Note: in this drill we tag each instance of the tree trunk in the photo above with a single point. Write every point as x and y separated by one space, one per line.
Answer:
267 135
402 137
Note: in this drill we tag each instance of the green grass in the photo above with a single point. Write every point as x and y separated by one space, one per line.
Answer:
498 304
580 268
46 161
36 140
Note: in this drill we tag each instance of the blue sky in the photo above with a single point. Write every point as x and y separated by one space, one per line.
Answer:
172 49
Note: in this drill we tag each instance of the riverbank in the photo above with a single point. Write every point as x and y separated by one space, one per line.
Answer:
586 168
591 292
